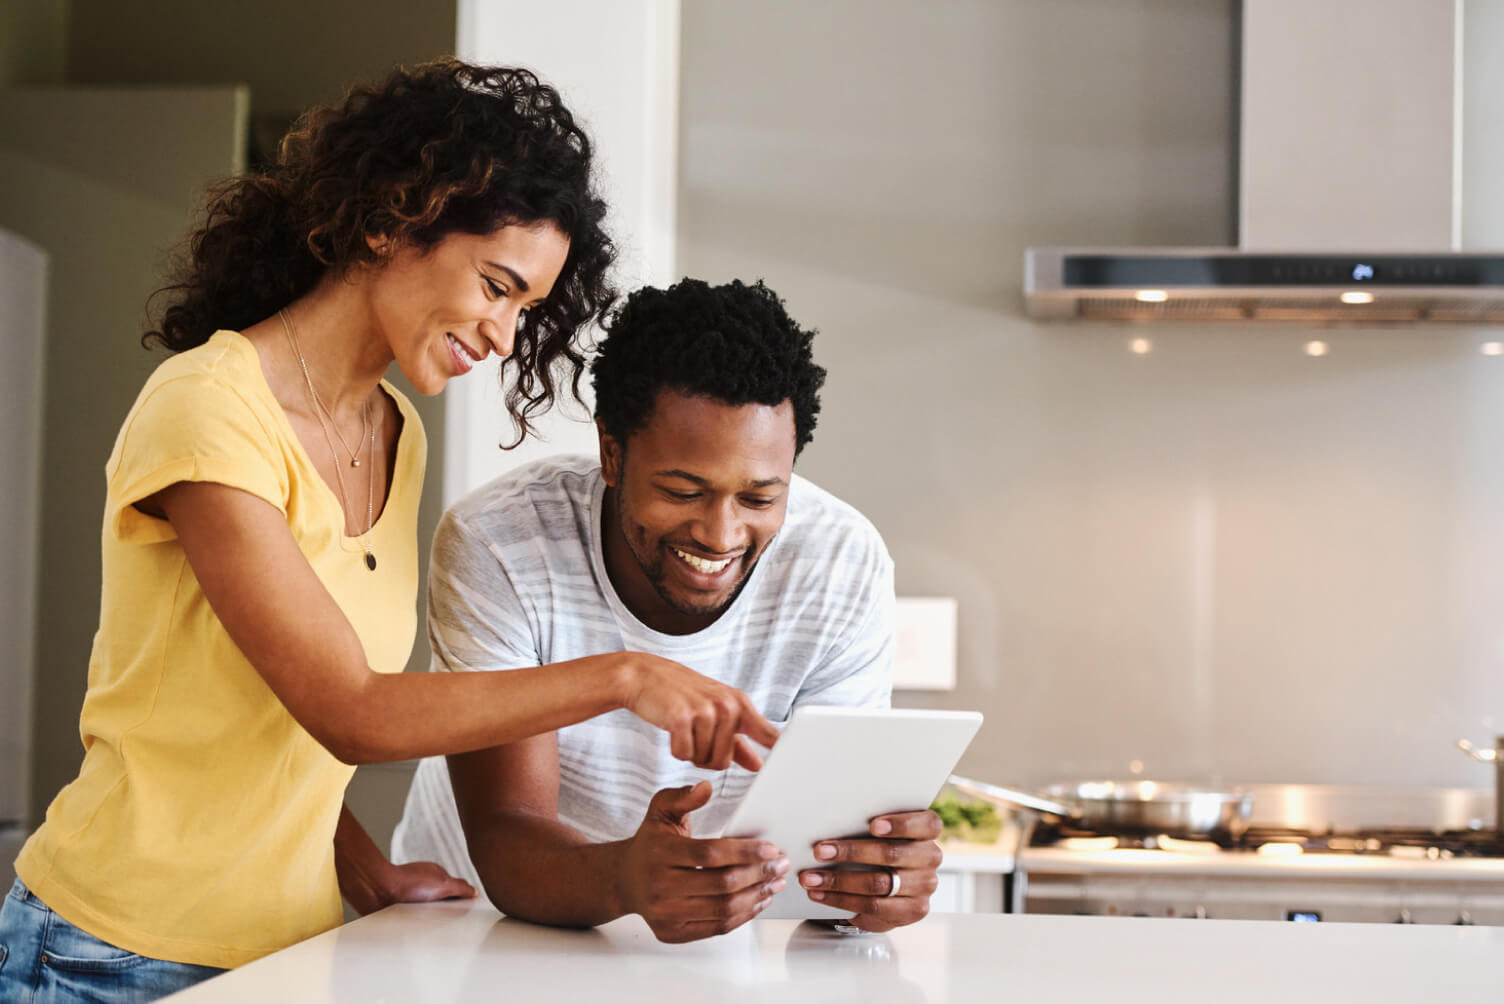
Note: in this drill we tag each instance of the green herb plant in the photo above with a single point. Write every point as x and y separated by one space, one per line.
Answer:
967 819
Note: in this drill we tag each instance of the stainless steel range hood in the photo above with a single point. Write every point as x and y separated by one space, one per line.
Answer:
1350 186
1222 284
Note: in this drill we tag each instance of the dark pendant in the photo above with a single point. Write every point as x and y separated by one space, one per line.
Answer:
371 561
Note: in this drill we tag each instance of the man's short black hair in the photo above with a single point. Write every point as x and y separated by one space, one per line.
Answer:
733 343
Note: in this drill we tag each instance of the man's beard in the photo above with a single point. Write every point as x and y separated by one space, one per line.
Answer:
657 575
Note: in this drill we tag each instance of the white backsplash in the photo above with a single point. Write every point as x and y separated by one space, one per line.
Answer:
1226 558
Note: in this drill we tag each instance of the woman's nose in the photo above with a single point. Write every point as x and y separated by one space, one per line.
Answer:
501 333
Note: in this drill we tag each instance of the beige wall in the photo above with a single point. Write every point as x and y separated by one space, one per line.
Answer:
1223 558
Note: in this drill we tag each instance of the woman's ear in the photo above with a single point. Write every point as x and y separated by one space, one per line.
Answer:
379 244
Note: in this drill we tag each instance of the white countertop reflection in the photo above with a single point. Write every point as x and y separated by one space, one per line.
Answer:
465 952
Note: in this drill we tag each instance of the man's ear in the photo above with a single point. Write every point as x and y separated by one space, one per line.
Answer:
611 456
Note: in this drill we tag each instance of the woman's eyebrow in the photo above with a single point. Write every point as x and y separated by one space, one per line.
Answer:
517 279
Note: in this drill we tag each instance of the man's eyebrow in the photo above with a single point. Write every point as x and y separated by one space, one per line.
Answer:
517 279
704 483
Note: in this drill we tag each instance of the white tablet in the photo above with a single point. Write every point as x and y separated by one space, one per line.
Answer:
832 770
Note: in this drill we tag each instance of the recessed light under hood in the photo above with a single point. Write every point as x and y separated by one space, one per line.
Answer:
1350 187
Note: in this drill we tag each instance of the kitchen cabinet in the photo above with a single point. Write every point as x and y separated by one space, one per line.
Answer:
971 879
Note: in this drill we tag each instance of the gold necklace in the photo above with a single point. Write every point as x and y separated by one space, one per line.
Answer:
365 411
339 474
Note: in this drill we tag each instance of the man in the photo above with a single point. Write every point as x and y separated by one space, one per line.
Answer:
692 539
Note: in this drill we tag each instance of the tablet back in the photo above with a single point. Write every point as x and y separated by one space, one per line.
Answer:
832 770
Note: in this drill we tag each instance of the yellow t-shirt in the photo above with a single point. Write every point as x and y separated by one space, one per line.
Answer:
200 827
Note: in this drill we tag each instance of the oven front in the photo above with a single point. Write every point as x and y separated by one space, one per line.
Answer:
1366 900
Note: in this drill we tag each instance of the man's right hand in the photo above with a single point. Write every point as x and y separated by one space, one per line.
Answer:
687 889
705 719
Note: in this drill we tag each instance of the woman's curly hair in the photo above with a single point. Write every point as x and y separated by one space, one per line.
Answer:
733 343
445 147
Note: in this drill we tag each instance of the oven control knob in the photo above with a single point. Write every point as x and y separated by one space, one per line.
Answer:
1464 918
1404 917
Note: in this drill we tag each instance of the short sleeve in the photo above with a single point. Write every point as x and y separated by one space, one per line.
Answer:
476 620
189 428
858 672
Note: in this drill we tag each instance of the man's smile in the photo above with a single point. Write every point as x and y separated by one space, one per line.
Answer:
703 565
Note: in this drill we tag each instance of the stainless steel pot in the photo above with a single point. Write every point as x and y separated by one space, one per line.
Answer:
1128 807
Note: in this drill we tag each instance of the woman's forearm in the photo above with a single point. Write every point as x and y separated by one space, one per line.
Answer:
288 626
404 716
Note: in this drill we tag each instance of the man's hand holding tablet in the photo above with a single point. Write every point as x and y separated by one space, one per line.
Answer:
688 888
905 856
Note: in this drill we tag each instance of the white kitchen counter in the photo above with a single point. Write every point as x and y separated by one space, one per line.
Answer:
457 953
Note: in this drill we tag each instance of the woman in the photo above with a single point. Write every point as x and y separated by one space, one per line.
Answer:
260 551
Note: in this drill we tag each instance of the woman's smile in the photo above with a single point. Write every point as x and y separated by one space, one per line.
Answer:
464 356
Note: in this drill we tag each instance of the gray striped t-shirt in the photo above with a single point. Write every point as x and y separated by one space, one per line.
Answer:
517 579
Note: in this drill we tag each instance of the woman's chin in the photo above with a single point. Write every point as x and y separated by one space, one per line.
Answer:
429 381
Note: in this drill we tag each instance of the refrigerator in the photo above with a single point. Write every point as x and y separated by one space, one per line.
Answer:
23 280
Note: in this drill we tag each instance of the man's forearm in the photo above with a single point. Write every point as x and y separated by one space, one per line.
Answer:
538 869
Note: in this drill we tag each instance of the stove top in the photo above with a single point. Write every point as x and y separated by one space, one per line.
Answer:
1399 842
1394 841
1309 852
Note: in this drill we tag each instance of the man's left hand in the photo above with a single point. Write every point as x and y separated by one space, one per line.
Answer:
903 848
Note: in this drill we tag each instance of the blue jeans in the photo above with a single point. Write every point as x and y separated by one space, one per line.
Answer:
46 960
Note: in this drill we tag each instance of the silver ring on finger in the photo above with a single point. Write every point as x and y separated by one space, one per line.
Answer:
893 884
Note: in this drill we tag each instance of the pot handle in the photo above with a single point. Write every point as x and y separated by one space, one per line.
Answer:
1485 755
1007 796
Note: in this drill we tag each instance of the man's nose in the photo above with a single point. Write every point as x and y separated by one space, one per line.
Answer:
720 526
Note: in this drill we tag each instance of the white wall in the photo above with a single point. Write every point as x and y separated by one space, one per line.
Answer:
616 66
1224 558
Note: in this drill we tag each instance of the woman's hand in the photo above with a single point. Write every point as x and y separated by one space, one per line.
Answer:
706 720
414 882
368 881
